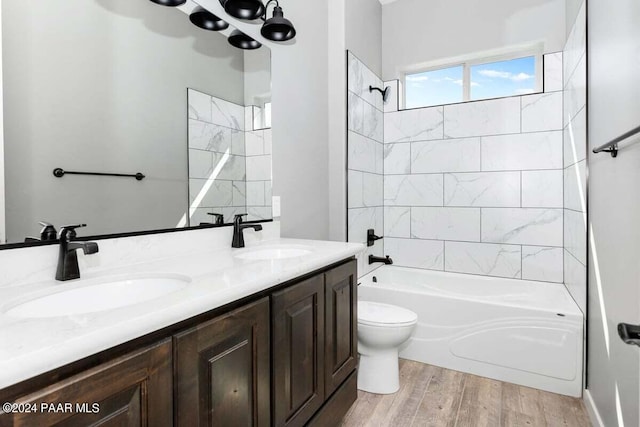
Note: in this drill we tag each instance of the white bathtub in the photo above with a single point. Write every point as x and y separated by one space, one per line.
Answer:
523 332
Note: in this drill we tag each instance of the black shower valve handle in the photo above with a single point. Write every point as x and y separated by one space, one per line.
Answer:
371 237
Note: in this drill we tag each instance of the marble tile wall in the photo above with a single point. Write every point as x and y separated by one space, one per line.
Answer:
575 160
365 175
474 187
227 160
258 158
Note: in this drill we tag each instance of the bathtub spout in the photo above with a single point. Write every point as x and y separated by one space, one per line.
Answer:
374 259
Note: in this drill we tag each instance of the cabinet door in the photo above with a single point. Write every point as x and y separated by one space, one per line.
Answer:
341 323
298 352
222 370
133 390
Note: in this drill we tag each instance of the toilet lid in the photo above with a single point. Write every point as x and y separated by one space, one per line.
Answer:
375 313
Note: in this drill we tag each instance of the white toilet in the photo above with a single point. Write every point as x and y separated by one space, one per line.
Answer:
382 328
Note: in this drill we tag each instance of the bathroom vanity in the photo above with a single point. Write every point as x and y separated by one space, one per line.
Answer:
277 346
155 327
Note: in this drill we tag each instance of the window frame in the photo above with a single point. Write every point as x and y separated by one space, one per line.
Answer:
260 103
535 51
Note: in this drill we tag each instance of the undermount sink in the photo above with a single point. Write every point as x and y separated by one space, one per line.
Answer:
262 253
99 295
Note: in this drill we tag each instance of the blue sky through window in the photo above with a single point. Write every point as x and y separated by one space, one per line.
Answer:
491 80
434 87
505 78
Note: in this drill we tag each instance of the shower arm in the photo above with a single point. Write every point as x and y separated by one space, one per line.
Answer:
371 88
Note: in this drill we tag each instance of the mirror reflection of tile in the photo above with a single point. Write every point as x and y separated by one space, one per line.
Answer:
229 161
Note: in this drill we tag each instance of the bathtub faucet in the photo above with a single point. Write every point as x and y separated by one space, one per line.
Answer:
386 261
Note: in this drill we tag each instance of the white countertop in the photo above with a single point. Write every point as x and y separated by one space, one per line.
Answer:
30 347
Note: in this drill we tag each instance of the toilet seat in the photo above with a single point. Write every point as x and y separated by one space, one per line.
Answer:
384 315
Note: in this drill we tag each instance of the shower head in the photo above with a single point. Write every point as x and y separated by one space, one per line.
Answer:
385 93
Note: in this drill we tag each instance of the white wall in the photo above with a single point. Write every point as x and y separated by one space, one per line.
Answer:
418 31
614 209
101 85
354 25
337 121
364 32
301 123
309 118
257 76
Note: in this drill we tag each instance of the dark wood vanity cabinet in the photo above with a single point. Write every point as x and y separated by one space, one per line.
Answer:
314 325
341 325
132 390
280 358
298 352
222 370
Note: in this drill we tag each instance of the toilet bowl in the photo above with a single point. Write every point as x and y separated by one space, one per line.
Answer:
382 329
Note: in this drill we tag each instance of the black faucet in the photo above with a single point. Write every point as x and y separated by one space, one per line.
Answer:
47 233
238 227
68 259
218 218
386 261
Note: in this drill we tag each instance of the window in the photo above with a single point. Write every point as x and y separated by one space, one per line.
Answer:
437 87
504 78
472 80
267 114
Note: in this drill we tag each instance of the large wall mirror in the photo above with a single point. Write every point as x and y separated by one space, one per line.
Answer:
128 87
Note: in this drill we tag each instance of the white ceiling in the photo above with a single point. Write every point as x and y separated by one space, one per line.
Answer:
383 2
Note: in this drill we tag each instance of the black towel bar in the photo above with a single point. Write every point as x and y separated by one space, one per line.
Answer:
59 173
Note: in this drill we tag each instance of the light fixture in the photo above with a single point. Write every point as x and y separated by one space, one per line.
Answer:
242 41
170 3
277 28
206 20
244 9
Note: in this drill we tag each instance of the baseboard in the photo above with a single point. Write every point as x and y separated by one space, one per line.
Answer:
594 415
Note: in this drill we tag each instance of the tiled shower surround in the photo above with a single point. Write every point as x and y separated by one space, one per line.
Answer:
575 163
475 187
365 159
229 162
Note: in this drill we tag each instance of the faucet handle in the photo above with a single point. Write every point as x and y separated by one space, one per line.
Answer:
48 231
371 237
70 230
218 218
237 218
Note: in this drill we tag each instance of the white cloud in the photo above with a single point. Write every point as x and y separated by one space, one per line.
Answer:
458 82
495 73
505 75
417 78
524 91
521 77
